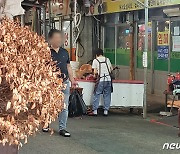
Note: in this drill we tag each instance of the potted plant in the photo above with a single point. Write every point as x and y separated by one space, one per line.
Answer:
30 90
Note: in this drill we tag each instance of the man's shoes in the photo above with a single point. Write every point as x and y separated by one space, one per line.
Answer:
64 133
46 130
105 113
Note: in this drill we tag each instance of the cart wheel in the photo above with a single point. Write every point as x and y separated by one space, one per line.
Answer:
131 110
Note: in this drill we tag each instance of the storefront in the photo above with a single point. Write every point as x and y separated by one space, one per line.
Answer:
118 27
163 47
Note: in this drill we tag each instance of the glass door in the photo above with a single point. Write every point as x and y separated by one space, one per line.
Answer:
123 45
175 46
162 46
141 45
109 43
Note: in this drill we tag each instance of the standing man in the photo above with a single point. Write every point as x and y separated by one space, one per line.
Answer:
102 69
61 56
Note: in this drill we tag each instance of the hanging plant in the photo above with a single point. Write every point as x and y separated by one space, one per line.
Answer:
30 90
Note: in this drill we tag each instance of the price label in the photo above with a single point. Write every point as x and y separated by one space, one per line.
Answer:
145 59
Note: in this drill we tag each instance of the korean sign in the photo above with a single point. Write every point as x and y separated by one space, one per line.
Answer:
96 7
163 45
163 52
112 6
163 38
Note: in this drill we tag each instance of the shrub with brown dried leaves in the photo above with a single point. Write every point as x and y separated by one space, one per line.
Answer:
30 90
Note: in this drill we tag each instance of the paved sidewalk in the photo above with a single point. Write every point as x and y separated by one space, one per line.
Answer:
120 133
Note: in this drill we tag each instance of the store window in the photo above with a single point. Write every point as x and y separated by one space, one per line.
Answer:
109 43
141 45
141 37
162 46
175 53
123 46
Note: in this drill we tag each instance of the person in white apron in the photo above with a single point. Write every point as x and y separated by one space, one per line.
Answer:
102 69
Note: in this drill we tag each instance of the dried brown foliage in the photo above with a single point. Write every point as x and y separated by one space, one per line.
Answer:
30 91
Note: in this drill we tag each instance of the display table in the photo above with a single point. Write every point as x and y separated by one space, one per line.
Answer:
126 93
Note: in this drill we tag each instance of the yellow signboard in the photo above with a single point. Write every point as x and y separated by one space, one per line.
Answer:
128 5
163 38
112 6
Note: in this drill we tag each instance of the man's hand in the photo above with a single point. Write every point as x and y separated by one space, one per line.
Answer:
74 83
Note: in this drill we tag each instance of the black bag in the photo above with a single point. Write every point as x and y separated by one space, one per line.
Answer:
77 107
